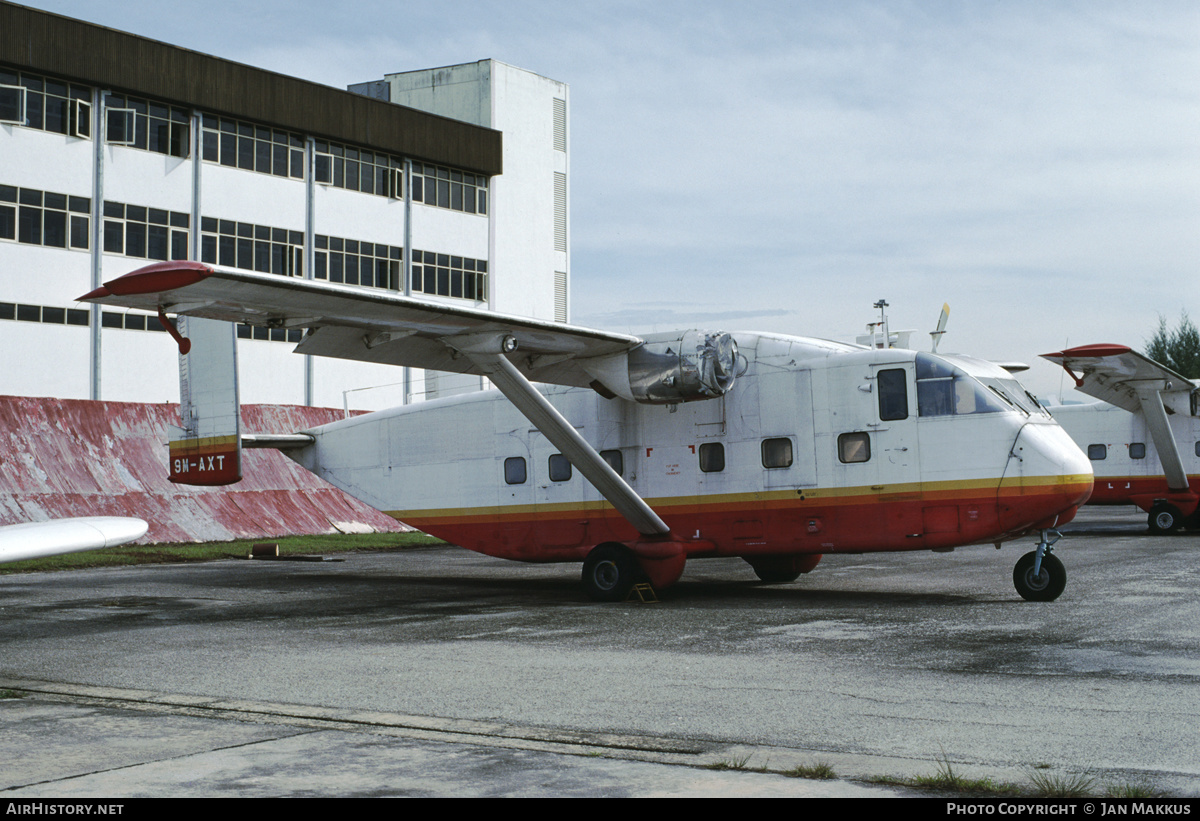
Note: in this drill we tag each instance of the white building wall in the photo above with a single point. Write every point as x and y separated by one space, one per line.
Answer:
146 178
526 254
30 349
357 216
247 196
515 238
23 160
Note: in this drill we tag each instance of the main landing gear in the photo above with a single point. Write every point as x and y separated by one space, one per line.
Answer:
1164 518
609 572
1040 576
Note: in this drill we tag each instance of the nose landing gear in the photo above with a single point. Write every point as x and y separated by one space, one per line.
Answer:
1039 575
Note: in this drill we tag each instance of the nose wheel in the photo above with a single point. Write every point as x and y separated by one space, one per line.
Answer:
1039 575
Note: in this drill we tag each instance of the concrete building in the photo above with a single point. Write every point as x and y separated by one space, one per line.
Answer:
529 216
117 151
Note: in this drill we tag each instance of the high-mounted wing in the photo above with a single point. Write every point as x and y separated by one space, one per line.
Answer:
364 324
386 328
1125 378
1117 374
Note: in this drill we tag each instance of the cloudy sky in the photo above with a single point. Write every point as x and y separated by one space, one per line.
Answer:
781 166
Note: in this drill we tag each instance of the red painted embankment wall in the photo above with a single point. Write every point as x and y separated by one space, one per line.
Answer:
72 457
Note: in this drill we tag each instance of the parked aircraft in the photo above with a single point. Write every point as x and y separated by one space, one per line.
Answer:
1143 438
694 444
34 540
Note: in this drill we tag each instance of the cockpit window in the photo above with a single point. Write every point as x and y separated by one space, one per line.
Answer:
1014 393
945 390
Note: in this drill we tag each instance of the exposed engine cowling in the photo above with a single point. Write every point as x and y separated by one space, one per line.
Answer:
682 366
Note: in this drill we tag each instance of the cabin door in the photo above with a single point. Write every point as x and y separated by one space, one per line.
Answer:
785 413
895 449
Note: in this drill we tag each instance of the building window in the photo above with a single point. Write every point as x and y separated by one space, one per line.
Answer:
12 104
150 126
358 169
44 103
262 333
449 188
777 453
145 233
45 314
252 247
251 147
893 395
712 457
854 447
446 275
130 321
1097 452
1137 450
514 470
44 218
357 262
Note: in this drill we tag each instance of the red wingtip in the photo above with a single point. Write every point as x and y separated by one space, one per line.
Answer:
153 279
99 293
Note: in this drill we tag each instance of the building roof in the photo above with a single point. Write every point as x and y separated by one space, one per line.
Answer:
118 61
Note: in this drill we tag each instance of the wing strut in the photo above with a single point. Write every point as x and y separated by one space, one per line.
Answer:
484 352
1164 440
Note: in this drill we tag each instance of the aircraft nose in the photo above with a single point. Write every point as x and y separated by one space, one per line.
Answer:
1046 480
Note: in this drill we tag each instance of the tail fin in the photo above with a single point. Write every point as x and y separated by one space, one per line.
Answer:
207 450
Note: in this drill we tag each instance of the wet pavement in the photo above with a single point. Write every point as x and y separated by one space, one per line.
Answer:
442 672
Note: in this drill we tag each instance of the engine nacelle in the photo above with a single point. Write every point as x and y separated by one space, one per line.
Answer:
682 366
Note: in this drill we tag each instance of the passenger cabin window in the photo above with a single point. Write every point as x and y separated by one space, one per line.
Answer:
514 470
946 390
854 447
560 468
615 460
12 104
893 394
1137 450
1097 452
712 457
777 453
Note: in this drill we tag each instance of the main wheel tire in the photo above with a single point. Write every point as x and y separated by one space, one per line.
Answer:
1047 585
608 572
1164 519
775 572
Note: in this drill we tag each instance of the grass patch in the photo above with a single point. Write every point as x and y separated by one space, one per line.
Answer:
126 555
729 764
1043 784
1050 785
819 771
946 780
11 694
1139 790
